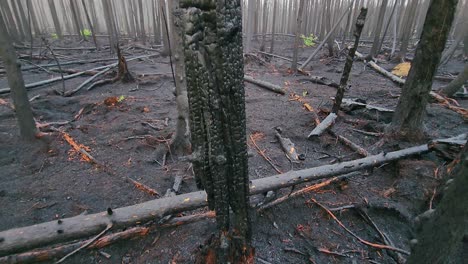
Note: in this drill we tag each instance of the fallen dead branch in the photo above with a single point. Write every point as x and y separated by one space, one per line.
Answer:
274 55
323 126
367 133
360 150
52 80
437 97
24 238
143 187
266 85
62 64
321 80
288 146
79 148
262 153
92 78
307 190
365 242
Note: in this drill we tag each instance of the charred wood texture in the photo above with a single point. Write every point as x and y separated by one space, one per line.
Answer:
215 73
349 61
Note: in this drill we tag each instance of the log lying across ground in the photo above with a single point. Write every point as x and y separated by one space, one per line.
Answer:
266 85
21 239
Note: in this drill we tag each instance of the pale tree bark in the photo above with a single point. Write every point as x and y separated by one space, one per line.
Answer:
408 28
378 29
298 36
264 25
442 235
451 50
214 65
8 17
23 17
180 142
21 29
273 26
92 7
390 18
165 28
156 26
77 20
90 23
455 85
408 118
128 12
142 21
53 12
19 95
250 25
108 17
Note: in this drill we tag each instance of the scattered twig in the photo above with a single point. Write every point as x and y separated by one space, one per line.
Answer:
323 126
46 43
109 226
365 242
262 153
373 134
143 187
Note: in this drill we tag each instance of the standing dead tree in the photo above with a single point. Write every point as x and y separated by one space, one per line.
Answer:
408 118
297 38
215 73
18 91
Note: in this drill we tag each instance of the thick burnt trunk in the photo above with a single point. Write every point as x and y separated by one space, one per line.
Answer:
15 80
442 235
215 72
408 118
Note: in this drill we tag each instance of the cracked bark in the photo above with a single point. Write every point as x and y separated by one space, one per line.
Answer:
214 69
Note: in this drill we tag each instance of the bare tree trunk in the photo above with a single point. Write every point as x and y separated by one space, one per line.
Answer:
92 7
156 27
408 118
214 65
408 28
180 142
21 29
451 50
378 28
442 235
331 38
250 25
128 12
162 7
390 18
264 25
90 23
19 95
53 11
455 85
8 16
142 21
22 14
273 26
113 41
298 36
77 20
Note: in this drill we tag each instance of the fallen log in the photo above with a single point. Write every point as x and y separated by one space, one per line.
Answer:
62 250
321 80
62 63
39 235
274 55
323 126
44 82
288 146
89 80
266 85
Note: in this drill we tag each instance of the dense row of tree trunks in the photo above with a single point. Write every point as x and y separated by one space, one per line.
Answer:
23 111
408 118
378 28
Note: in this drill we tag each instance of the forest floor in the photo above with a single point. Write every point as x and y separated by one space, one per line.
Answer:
46 180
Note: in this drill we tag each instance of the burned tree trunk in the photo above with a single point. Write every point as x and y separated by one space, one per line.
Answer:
90 23
142 21
214 65
180 143
442 235
408 118
15 80
297 38
264 25
53 12
349 61
273 26
165 32
77 20
378 29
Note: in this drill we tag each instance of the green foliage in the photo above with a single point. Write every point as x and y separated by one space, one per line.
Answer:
86 32
121 98
54 36
309 41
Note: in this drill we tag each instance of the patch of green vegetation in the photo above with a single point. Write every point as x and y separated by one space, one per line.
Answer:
121 98
309 41
54 36
86 32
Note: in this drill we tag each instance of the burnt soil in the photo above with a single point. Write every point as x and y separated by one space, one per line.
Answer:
45 180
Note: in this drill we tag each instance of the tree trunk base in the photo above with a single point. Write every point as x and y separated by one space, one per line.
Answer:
225 249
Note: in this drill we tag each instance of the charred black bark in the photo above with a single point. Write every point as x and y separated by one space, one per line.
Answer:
408 118
349 61
215 71
442 235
